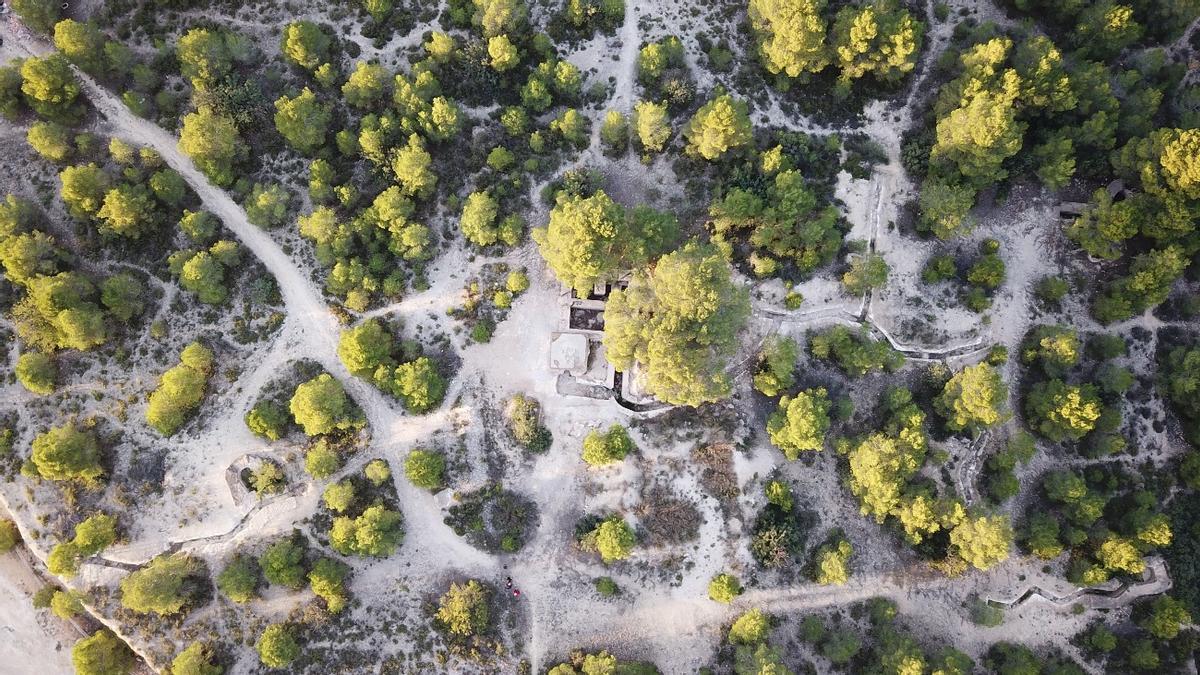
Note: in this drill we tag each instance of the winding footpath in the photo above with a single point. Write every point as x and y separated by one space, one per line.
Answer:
313 332
308 317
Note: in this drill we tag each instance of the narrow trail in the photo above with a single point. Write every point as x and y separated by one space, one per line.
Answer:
308 317
313 331
627 69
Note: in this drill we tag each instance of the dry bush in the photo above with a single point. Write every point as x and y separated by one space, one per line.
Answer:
668 518
716 473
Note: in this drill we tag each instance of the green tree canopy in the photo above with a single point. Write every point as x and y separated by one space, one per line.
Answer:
39 15
724 588
67 453
377 532
180 390
95 533
204 57
213 143
1163 616
982 541
590 239
267 205
327 579
867 272
164 586
411 164
977 136
277 646
302 120
831 564
608 447
321 405
1104 227
128 211
49 86
305 44
502 53
322 460
478 220
37 372
750 628
880 39
974 398
679 322
366 347
791 35
102 653
499 17
239 580
196 659
168 187
82 43
463 610
339 497
282 562
59 312
83 189
800 423
718 126
1061 411
614 539
653 125
945 208
29 255
368 85
51 140
425 468
776 366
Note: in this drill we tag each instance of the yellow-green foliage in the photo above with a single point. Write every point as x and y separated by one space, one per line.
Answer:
800 423
750 628
979 131
974 398
321 405
719 126
1061 411
982 541
102 653
614 539
197 659
463 609
36 372
791 35
609 447
832 565
180 390
880 39
67 453
277 647
679 322
164 586
724 588
328 578
653 125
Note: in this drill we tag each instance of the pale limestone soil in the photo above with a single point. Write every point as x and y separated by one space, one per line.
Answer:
677 627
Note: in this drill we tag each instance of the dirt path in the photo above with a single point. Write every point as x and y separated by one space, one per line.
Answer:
315 328
26 632
313 331
627 68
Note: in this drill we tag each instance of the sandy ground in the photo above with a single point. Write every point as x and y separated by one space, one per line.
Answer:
33 642
559 606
